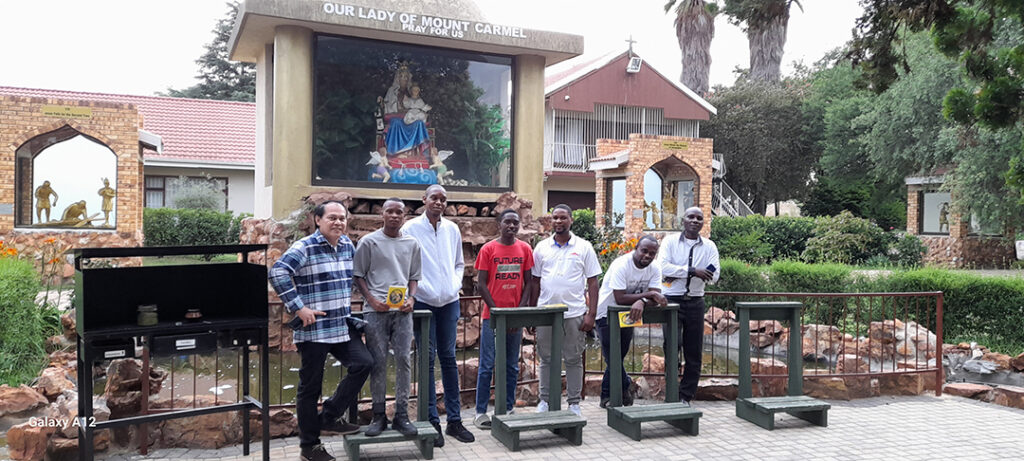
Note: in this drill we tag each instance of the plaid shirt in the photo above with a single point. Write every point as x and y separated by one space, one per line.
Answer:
315 275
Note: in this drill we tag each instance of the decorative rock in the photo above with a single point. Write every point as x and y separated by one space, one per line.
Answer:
26 442
728 326
467 373
714 315
766 326
67 322
852 363
651 387
708 329
766 387
362 208
471 337
821 387
717 389
862 387
53 381
213 430
19 399
886 331
450 210
485 211
465 210
653 363
1008 396
908 384
60 448
760 340
821 341
592 385
969 390
1001 360
529 394
1018 362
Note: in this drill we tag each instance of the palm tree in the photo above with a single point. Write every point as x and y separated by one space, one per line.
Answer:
765 22
695 27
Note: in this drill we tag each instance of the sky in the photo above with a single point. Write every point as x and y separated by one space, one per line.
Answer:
142 47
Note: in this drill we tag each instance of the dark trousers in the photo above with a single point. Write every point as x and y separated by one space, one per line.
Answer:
691 340
443 330
353 355
625 339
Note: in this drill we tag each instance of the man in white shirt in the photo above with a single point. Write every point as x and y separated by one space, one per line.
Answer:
688 263
438 291
631 280
565 267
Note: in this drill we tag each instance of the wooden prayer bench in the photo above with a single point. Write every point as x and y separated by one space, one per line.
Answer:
762 410
426 434
627 419
506 428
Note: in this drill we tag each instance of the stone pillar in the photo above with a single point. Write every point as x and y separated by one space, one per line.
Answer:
293 117
528 129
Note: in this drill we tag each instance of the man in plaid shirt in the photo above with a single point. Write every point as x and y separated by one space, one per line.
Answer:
314 281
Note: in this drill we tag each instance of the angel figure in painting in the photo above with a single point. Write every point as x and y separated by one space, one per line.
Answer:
437 159
381 160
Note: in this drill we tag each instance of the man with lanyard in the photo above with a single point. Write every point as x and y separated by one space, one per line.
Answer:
565 267
441 248
631 280
314 281
688 263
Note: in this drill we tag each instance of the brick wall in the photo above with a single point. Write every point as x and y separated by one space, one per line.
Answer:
115 125
959 249
644 152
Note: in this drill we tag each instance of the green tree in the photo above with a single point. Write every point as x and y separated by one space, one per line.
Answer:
759 127
219 77
985 35
695 28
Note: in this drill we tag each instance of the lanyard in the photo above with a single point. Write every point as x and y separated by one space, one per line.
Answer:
689 266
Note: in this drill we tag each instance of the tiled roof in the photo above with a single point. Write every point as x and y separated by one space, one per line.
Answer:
192 130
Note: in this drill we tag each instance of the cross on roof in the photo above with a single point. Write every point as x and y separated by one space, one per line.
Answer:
631 42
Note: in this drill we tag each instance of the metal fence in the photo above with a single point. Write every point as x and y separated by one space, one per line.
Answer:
844 334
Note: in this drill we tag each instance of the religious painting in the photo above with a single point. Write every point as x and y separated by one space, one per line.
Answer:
389 113
935 213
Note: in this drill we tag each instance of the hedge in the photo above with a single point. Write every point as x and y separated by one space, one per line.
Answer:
186 227
974 306
779 237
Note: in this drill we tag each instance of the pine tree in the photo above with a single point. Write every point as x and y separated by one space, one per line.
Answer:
220 78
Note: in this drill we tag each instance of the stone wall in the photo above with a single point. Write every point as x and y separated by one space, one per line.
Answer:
114 125
644 152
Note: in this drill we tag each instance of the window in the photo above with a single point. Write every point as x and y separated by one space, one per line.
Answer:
403 114
934 214
616 201
164 191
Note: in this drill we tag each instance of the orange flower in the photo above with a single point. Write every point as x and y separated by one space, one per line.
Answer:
12 252
51 240
54 261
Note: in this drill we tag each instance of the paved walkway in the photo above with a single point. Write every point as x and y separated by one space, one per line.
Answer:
904 428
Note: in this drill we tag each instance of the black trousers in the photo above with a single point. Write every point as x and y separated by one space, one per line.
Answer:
353 355
691 340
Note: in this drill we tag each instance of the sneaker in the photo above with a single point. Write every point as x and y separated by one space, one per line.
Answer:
686 403
403 425
542 406
604 402
338 426
482 421
439 441
575 408
457 430
379 423
315 453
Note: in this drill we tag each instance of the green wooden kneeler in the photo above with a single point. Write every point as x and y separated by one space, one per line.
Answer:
762 410
627 419
426 433
506 428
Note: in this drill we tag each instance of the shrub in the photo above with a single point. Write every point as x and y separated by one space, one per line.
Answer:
749 246
199 194
908 251
24 326
845 239
783 237
185 227
584 224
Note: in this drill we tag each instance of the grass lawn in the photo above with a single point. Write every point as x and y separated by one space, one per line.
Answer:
180 260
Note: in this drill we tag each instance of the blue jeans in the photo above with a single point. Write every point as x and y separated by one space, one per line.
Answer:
443 321
486 370
625 338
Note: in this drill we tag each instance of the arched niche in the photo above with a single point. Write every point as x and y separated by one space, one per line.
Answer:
66 179
676 191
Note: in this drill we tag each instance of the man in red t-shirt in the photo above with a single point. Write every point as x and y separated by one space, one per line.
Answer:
503 280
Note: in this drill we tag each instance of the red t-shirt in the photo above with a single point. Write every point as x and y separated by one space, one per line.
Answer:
506 267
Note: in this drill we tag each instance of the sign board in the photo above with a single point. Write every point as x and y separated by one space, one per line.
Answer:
67 111
423 24
674 145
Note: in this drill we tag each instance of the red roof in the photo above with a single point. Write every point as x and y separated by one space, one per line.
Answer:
192 130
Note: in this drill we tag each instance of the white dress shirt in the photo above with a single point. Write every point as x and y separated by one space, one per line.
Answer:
674 258
563 272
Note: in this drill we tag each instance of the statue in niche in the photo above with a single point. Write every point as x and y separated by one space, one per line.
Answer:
944 216
108 193
653 209
75 215
43 202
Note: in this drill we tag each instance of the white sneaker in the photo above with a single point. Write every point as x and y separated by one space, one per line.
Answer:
575 408
542 406
482 421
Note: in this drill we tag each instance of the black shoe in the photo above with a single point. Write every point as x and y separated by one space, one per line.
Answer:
379 423
338 426
604 402
315 453
403 425
439 441
457 430
627 399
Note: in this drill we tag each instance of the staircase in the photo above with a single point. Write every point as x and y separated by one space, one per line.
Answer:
724 200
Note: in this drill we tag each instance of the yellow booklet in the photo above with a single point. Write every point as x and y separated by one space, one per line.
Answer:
396 297
552 305
625 322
